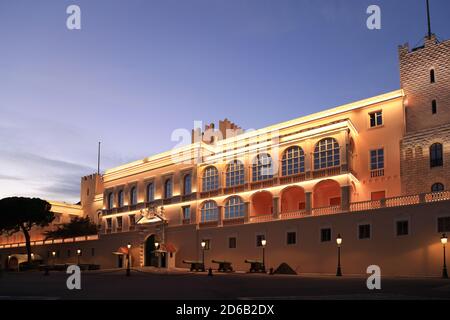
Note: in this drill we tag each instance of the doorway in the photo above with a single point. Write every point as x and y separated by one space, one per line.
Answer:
150 256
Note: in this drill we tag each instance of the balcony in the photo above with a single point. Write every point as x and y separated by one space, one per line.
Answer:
264 183
377 173
208 224
261 218
327 172
233 221
294 214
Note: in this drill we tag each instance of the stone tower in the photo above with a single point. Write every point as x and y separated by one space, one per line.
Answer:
425 149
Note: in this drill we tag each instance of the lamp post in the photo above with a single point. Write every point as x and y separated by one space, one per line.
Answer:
263 243
128 259
339 241
444 267
203 244
78 256
53 255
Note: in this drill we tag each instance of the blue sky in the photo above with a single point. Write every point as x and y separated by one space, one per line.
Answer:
139 69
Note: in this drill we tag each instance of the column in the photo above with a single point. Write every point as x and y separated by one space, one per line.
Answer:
308 202
276 209
220 217
345 198
247 212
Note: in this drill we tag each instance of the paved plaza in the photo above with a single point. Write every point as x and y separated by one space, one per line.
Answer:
182 285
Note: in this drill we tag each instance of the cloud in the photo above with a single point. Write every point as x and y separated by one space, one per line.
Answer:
31 174
6 177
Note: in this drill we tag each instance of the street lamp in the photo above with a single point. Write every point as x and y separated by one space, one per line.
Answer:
156 245
203 244
444 268
339 241
263 243
78 256
128 259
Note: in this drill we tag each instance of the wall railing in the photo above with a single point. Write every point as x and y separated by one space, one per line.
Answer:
53 241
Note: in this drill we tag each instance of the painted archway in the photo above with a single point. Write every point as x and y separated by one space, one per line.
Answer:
262 203
327 193
293 199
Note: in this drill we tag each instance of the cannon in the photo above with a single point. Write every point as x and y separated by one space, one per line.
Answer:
195 265
224 266
256 266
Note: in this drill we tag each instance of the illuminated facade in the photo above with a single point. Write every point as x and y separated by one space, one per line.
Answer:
296 184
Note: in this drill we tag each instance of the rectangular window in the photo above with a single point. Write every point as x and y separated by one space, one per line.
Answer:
434 107
207 244
364 231
377 159
378 195
291 238
232 243
325 234
335 201
402 228
376 119
186 213
119 223
132 219
259 239
109 223
444 224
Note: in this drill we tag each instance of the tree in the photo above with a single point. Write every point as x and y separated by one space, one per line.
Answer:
22 214
77 227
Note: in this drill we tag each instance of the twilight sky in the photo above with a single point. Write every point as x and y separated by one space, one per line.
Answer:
139 69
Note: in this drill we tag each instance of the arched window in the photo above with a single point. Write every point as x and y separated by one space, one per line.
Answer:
436 158
133 196
120 199
432 76
437 187
110 200
234 208
168 189
262 168
293 161
187 184
150 192
209 211
235 173
326 154
210 179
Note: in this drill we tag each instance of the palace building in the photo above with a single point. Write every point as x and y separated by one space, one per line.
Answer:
374 171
